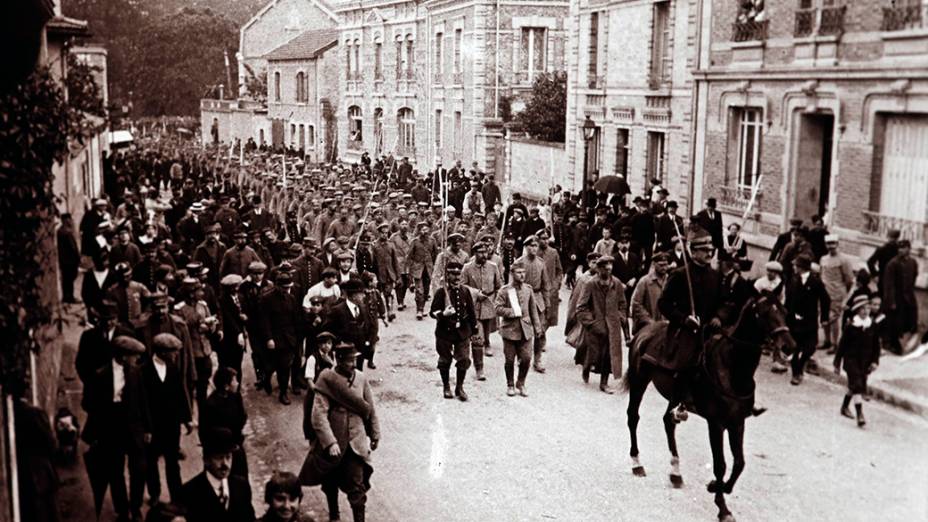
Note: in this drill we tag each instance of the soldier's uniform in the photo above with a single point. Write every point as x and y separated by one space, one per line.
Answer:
536 276
485 280
453 333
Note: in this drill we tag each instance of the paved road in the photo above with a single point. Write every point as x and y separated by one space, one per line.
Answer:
561 453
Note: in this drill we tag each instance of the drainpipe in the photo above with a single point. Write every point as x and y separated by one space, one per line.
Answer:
430 152
318 108
496 68
694 111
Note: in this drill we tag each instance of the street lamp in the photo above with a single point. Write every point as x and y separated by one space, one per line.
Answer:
589 129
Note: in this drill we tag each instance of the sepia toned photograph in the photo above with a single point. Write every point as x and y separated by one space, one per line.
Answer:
464 260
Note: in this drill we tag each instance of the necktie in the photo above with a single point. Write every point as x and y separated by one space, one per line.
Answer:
223 496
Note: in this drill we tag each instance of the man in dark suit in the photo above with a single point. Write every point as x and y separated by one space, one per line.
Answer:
642 223
882 256
96 283
710 219
69 258
666 230
806 301
169 408
280 320
214 495
785 238
626 265
250 292
350 320
453 309
119 424
307 269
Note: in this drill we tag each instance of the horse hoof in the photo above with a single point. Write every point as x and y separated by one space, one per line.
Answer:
638 471
713 487
726 518
729 488
676 481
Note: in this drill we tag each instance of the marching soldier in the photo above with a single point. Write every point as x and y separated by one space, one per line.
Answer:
453 310
420 258
536 277
484 278
520 322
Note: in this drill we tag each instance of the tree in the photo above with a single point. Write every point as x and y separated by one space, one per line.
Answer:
546 111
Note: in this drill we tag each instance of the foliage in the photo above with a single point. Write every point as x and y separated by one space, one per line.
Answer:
256 84
505 108
85 96
36 124
546 111
161 60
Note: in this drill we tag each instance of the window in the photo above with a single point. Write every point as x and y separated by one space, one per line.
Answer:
310 137
532 56
292 134
277 86
439 54
410 57
657 156
400 60
302 142
593 50
438 128
406 122
355 124
378 131
623 152
357 59
660 45
903 175
348 55
378 60
300 87
458 133
458 40
750 126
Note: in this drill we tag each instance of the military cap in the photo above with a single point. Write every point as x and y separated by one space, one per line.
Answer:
697 236
128 345
295 248
166 342
453 267
284 278
455 237
542 234
593 256
530 240
309 241
422 224
602 260
479 247
344 240
158 298
240 234
383 226
424 203
122 268
344 350
831 238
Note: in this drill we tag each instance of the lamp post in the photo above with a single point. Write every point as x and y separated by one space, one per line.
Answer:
589 128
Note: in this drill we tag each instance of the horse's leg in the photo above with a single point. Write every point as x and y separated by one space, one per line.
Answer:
670 430
716 436
638 382
736 442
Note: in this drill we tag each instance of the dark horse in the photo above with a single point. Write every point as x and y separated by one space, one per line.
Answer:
723 390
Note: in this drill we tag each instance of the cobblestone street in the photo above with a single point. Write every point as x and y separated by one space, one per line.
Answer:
561 453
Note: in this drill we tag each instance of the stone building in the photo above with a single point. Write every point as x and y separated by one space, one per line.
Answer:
303 93
274 25
630 68
426 81
827 103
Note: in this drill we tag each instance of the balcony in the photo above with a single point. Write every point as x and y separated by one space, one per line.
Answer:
749 31
457 78
827 22
903 17
403 151
878 225
355 145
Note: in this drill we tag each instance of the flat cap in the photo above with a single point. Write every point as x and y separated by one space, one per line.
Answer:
128 345
166 342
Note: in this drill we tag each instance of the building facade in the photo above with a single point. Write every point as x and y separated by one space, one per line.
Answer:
630 70
274 25
429 80
826 103
303 93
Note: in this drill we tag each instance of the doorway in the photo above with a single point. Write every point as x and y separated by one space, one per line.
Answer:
813 161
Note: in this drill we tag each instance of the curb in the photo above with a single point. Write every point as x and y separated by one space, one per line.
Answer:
879 392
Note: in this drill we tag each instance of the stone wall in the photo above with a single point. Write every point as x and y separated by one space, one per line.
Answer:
533 167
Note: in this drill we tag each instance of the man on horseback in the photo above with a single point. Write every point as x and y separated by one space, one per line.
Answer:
691 302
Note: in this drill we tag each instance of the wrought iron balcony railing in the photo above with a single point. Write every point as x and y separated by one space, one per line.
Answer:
879 225
749 31
904 17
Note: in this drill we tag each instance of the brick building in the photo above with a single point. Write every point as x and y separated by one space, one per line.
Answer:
828 101
426 80
630 70
274 25
303 92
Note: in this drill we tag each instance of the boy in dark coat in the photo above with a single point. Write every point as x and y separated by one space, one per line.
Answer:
859 351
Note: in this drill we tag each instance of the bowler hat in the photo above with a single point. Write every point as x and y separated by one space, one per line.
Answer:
218 440
351 286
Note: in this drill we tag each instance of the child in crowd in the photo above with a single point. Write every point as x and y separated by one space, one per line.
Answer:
606 245
859 351
283 495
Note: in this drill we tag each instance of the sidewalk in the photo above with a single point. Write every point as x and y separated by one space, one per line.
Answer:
900 380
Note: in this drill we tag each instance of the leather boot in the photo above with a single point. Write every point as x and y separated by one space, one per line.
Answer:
446 382
358 512
861 421
459 385
332 500
846 407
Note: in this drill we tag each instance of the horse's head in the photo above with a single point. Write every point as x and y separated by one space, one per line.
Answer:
771 318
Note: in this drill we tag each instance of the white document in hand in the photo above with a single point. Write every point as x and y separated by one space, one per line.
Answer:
514 303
